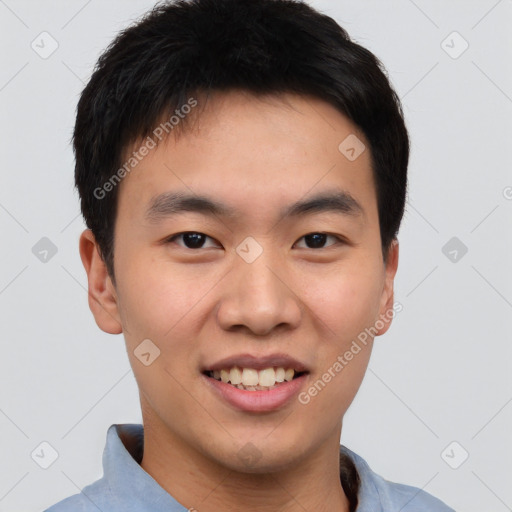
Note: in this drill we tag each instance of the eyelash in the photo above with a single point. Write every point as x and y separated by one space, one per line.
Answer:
173 237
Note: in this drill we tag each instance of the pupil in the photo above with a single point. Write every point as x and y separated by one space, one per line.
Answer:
193 240
317 239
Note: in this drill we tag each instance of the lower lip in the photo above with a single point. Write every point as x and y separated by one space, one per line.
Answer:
257 401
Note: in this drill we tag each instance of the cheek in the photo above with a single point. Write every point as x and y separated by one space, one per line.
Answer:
167 305
346 302
346 307
156 299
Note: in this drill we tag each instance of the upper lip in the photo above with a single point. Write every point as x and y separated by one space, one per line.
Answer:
257 362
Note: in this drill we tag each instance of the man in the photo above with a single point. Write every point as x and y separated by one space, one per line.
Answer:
242 169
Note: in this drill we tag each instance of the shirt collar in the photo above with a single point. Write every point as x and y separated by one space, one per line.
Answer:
128 482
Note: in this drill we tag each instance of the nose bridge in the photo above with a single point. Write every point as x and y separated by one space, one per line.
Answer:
261 279
259 297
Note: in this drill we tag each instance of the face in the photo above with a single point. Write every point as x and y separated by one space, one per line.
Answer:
283 269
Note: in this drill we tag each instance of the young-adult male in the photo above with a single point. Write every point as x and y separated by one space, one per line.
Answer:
242 170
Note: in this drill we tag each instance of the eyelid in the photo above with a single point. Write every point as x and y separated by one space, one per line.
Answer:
339 239
171 239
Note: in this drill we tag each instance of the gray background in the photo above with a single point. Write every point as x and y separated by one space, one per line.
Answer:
443 371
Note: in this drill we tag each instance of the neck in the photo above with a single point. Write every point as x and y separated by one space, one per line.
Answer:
204 485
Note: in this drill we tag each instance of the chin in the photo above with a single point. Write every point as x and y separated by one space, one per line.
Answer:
263 455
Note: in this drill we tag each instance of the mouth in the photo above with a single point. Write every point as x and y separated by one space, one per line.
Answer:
253 390
248 372
256 384
252 379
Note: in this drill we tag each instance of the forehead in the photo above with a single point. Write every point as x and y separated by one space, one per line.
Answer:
254 154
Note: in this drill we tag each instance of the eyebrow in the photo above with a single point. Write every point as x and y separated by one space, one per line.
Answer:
168 204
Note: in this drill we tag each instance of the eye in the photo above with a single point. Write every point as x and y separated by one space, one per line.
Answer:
196 240
191 239
317 240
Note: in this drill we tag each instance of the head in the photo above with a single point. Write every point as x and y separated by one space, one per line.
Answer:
278 146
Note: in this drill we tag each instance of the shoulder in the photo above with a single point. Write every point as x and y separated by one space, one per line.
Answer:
390 496
93 497
409 499
75 503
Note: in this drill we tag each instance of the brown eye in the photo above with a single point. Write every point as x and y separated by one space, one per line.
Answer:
317 240
191 239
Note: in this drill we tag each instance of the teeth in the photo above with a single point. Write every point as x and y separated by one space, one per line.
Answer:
235 376
249 377
254 380
267 377
280 373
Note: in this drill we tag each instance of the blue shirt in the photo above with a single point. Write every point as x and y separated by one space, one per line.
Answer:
126 487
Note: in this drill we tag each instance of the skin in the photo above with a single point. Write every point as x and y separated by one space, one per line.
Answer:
256 155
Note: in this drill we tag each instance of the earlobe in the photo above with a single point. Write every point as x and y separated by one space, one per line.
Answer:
102 295
387 299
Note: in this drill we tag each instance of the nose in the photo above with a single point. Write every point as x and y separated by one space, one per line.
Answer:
259 297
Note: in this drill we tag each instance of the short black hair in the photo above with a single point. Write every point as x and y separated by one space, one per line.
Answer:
186 48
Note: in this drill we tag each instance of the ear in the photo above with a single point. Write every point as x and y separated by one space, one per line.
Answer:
102 293
386 311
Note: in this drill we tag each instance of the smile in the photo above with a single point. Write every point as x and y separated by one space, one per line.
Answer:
250 379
